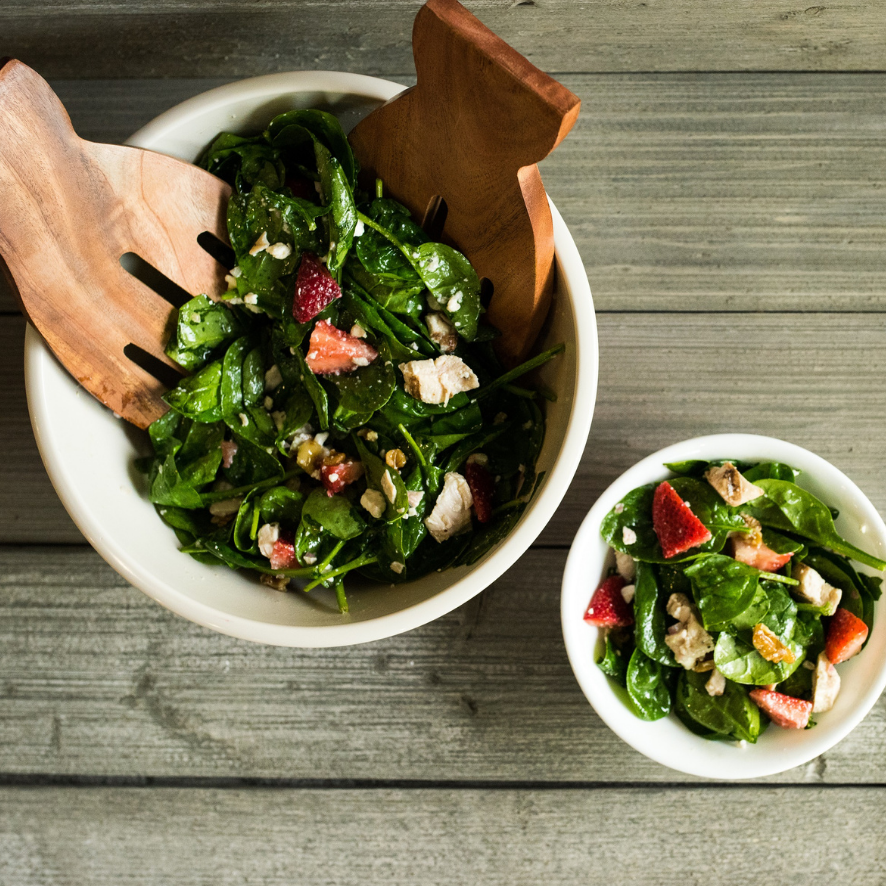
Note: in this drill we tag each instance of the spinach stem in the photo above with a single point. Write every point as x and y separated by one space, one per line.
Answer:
413 445
340 591
782 579
522 369
379 188
363 560
331 557
224 494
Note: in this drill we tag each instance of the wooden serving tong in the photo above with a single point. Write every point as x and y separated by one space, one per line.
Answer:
69 210
469 134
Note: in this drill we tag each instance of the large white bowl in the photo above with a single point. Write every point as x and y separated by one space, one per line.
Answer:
89 454
668 741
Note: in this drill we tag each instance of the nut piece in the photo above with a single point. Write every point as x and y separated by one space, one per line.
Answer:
277 582
766 642
394 458
733 488
334 458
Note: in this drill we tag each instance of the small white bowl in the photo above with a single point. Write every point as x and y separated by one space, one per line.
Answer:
89 454
668 741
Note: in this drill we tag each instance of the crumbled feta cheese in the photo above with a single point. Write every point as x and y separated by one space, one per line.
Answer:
442 332
321 438
619 508
360 228
310 559
280 251
814 589
269 403
452 510
388 487
360 361
687 639
267 538
244 419
716 684
454 303
628 592
273 378
825 685
414 497
731 485
231 281
357 331
626 566
436 381
260 245
374 502
397 567
431 263
368 434
478 458
236 271
250 298
628 536
527 425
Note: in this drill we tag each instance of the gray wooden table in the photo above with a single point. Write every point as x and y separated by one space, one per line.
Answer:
725 186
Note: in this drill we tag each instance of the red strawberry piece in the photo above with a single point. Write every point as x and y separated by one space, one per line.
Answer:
759 556
482 487
283 555
332 351
336 477
315 288
608 608
301 187
677 528
783 710
846 635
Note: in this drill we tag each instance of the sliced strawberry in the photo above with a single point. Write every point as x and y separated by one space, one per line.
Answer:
301 187
759 556
283 555
677 528
332 351
608 608
846 635
336 477
783 710
482 487
315 288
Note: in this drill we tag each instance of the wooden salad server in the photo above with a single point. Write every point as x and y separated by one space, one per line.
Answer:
471 132
69 210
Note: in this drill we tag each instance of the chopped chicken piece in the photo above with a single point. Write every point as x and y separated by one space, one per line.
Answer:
716 684
225 508
733 488
814 589
452 510
436 381
825 685
374 502
687 639
442 332
267 537
388 488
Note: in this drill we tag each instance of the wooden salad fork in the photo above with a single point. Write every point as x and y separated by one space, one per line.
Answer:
69 210
469 135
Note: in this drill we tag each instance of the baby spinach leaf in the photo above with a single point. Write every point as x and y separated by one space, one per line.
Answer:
376 472
166 432
754 614
771 470
297 410
315 390
334 513
485 537
731 715
378 255
281 505
453 282
723 588
231 390
614 661
168 488
297 127
647 686
202 326
791 508
197 396
244 161
246 525
368 388
254 424
251 464
737 660
337 194
649 617
253 377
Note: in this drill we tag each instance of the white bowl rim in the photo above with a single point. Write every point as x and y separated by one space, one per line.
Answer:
38 357
707 760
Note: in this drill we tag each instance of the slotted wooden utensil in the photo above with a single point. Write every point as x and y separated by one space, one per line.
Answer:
69 210
471 132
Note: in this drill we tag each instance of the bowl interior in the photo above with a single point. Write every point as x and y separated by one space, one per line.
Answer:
668 741
89 453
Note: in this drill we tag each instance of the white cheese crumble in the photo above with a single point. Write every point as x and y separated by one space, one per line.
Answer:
267 536
280 251
261 244
628 536
397 567
273 378
374 502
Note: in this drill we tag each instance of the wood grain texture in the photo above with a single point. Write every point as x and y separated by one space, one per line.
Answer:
470 132
96 679
651 837
192 38
818 380
716 192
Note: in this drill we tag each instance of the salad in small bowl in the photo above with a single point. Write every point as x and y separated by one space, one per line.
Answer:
719 606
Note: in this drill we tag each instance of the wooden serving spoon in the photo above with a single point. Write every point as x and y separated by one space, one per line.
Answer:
69 210
470 133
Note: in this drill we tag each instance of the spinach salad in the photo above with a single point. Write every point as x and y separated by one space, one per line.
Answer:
731 600
344 408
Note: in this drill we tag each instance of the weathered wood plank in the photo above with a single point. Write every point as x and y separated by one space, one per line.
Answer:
817 380
109 38
96 679
683 192
651 837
